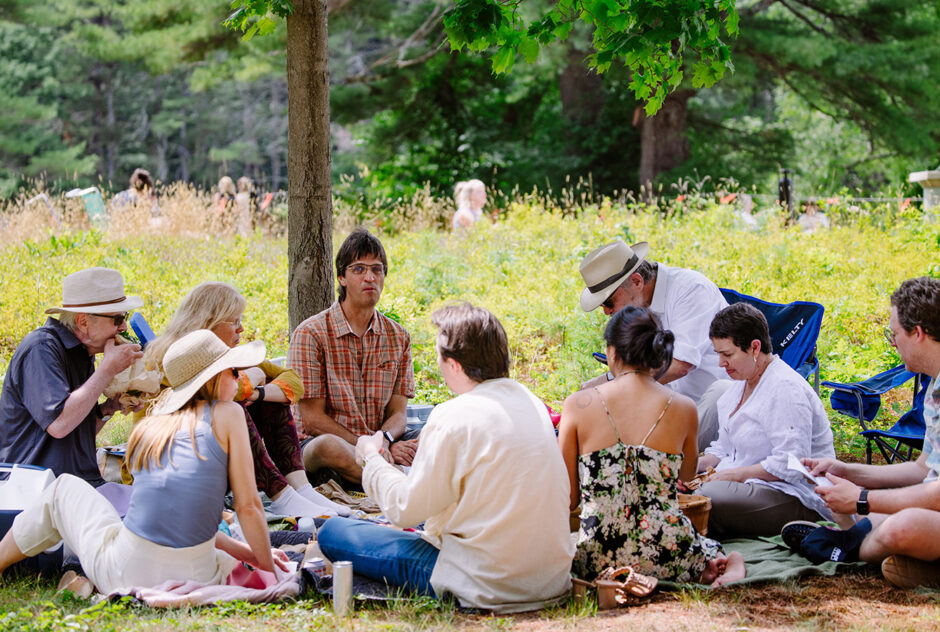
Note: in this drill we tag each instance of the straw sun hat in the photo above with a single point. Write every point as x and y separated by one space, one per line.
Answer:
195 359
95 290
606 268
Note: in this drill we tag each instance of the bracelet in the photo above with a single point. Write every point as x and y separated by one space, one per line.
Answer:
260 391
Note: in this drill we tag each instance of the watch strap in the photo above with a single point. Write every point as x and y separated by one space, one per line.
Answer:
862 507
388 437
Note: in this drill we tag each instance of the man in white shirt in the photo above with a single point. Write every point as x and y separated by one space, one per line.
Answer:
897 505
685 301
488 481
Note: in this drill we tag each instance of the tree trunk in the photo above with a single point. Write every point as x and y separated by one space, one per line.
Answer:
664 144
309 216
580 89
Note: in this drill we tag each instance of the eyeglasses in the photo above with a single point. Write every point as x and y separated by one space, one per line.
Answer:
891 337
234 323
235 373
609 303
360 269
117 319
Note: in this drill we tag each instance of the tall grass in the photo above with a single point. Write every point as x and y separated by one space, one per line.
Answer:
521 263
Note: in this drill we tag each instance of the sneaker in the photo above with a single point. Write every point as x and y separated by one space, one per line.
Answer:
794 532
908 572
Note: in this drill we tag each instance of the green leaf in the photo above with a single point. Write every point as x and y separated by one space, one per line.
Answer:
529 49
503 59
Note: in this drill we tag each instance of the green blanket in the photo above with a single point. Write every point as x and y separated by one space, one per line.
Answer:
769 560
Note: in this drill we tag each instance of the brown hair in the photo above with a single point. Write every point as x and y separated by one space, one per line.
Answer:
639 340
918 303
359 244
742 323
475 338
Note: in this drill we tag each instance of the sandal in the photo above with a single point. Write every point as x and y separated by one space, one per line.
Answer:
612 593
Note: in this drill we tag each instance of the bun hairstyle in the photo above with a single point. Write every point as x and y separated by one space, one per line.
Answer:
639 340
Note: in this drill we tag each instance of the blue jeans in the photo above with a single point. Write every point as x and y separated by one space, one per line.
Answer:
400 558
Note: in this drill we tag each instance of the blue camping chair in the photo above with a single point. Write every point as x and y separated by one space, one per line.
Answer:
861 400
142 329
794 328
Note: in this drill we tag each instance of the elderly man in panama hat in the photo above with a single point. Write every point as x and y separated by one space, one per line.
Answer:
49 410
685 301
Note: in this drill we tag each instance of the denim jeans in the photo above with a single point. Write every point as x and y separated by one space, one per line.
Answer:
400 558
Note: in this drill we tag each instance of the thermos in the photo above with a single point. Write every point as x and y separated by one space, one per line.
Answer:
342 588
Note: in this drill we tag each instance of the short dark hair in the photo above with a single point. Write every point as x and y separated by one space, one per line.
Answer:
742 323
360 243
475 338
918 303
639 340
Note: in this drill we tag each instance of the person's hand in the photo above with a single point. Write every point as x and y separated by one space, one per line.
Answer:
818 467
280 559
118 357
369 445
110 406
732 474
403 452
841 497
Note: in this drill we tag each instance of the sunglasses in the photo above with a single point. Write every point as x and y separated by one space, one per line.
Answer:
890 336
609 303
117 319
235 373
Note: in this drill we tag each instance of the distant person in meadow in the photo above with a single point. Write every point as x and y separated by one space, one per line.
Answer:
185 455
470 197
685 301
246 206
769 413
488 484
355 365
266 391
49 410
222 214
626 444
140 191
896 507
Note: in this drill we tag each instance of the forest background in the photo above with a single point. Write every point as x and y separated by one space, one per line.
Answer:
844 93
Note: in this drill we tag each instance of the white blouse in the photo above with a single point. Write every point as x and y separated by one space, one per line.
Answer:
782 416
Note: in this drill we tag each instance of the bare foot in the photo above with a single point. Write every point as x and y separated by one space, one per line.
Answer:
713 569
734 570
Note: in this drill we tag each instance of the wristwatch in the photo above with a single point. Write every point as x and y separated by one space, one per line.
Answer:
388 437
861 506
260 391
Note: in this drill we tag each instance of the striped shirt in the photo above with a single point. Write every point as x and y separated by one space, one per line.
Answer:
356 376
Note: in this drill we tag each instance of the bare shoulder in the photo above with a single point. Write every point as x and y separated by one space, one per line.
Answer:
226 415
579 401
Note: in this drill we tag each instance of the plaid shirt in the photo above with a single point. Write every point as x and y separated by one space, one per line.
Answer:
356 376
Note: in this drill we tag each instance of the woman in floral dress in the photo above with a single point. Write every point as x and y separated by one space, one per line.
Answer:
626 443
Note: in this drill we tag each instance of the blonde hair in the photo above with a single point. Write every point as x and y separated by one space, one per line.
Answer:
226 186
207 305
153 436
463 190
244 184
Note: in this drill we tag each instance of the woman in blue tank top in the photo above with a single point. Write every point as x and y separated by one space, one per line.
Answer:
190 448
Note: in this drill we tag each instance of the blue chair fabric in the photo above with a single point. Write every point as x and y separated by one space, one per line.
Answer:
794 329
862 401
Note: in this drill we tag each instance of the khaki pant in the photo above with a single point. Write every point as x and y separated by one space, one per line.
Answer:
707 407
747 510
112 557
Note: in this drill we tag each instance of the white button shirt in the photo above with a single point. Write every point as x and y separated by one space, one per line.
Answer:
686 302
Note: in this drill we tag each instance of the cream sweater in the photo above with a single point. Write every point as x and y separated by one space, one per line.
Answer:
489 481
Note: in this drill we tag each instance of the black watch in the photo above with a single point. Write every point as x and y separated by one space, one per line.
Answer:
260 391
388 437
862 507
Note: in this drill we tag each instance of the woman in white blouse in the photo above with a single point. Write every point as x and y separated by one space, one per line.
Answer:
769 414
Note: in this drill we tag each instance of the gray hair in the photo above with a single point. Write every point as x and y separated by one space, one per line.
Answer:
67 319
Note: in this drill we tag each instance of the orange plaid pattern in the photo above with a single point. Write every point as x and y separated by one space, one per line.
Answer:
356 376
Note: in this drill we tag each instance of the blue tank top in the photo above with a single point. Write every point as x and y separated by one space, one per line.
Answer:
180 504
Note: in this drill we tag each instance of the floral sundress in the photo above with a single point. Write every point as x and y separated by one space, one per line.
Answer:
630 514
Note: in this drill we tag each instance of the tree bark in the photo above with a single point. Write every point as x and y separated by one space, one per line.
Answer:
664 144
309 211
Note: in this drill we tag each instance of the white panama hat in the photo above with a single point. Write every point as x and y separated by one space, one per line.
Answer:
195 359
604 269
95 290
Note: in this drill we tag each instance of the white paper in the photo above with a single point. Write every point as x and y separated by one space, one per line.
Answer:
793 463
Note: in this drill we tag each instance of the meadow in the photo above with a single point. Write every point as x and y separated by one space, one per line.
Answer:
523 265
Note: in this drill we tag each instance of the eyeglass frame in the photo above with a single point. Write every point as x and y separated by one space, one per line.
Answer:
117 319
890 336
377 269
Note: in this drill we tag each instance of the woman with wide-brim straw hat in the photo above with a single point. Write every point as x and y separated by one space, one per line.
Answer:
184 455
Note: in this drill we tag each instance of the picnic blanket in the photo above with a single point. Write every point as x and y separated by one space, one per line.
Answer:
252 586
769 560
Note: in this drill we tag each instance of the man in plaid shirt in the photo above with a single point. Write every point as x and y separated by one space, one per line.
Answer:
355 364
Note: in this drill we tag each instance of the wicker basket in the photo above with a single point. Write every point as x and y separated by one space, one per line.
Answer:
696 508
